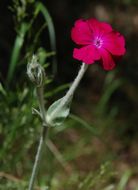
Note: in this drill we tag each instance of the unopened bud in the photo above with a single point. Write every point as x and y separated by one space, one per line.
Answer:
35 71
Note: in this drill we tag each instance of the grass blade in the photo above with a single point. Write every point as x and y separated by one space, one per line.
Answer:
84 123
41 8
16 51
124 180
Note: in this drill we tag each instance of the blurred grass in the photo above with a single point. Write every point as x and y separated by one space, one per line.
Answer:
24 28
16 50
41 8
79 147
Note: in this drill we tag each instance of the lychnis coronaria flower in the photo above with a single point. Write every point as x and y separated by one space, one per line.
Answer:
97 41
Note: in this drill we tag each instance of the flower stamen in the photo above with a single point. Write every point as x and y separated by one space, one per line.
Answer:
98 42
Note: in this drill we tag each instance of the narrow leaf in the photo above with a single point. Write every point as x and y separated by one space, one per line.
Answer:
88 126
41 8
2 90
16 50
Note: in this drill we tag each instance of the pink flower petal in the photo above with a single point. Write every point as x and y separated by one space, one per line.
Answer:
87 54
106 27
108 62
81 33
95 26
99 28
114 43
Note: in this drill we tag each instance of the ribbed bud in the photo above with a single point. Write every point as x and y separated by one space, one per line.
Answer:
35 71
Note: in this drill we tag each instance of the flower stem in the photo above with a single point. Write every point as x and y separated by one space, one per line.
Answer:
68 96
40 97
75 82
42 137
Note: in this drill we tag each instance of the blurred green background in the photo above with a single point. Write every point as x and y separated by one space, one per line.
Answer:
97 146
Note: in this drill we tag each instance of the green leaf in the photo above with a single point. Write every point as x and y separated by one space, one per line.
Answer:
57 90
124 180
82 122
109 90
41 8
2 90
16 50
58 112
36 112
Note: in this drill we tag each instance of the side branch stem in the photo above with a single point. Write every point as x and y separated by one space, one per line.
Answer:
75 82
72 89
43 136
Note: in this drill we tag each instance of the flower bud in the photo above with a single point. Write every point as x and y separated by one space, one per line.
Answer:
35 72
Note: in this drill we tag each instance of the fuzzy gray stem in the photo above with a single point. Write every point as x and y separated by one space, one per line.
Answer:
40 97
72 89
37 159
42 137
75 83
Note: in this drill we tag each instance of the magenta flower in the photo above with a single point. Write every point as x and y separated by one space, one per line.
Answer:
97 41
